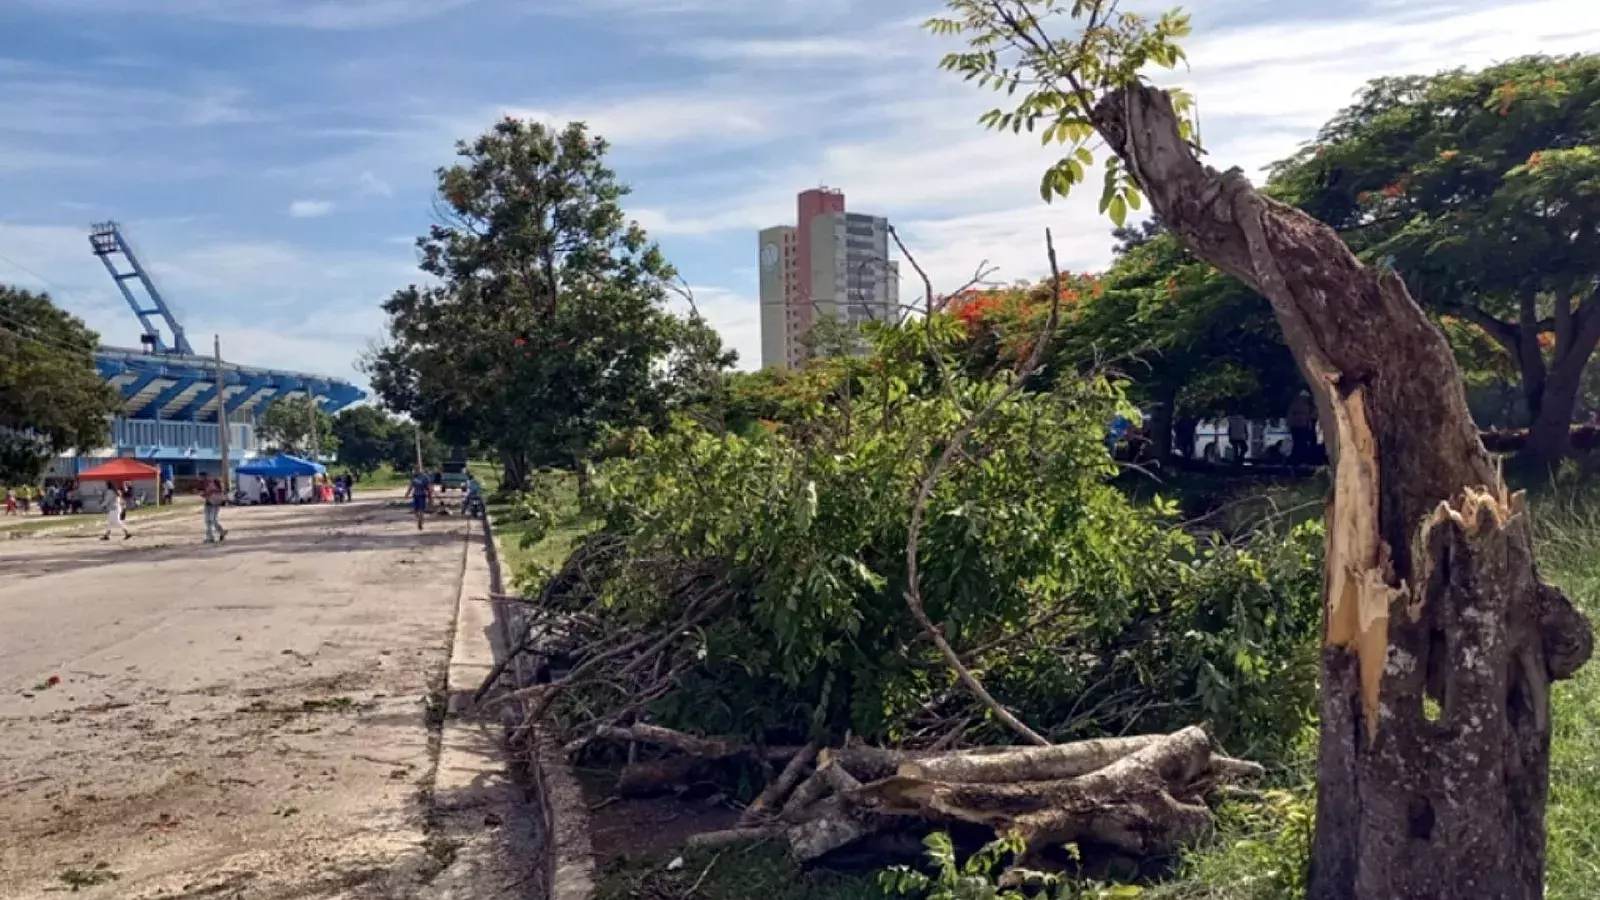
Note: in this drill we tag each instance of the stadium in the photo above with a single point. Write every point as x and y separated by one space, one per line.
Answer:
173 397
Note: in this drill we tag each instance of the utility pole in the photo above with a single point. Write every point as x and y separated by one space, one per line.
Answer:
311 419
416 431
222 416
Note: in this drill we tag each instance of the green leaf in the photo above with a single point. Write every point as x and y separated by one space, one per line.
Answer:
1118 210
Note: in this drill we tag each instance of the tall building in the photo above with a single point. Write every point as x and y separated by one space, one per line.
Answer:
830 265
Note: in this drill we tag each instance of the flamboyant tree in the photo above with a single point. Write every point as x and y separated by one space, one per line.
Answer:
1441 641
1483 190
547 322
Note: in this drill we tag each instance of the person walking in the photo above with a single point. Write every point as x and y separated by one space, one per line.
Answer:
11 502
1239 437
421 491
215 533
1302 429
112 499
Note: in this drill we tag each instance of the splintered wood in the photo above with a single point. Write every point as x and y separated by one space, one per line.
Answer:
1143 796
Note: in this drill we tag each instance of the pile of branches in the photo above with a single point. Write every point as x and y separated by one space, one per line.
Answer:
1142 797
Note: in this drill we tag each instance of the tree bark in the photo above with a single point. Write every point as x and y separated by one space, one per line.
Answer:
1440 639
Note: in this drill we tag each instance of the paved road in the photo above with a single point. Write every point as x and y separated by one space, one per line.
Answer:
247 720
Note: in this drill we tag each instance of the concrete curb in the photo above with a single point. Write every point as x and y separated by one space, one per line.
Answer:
483 830
566 857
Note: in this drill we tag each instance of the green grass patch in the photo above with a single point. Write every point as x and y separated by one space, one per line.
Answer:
384 477
1258 846
1567 526
96 520
763 871
524 550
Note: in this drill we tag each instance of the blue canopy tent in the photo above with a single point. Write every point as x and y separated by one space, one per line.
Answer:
281 466
286 470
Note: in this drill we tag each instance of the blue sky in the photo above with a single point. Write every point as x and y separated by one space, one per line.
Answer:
273 159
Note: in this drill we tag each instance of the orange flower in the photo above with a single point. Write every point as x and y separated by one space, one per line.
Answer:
1449 155
1547 340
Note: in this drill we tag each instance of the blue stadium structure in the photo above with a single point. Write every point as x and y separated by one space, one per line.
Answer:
170 401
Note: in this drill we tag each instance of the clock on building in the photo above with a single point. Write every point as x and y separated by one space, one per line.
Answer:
769 255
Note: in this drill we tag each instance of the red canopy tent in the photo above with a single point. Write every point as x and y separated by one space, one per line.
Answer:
120 469
91 482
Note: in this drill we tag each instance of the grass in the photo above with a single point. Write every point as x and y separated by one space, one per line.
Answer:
737 873
1248 861
35 522
512 527
1568 530
384 477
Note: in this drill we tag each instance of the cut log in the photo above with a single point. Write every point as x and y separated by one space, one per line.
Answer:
779 789
707 840
1128 804
810 791
661 776
835 825
1026 763
705 748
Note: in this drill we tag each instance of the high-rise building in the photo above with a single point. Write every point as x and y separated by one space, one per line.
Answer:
831 265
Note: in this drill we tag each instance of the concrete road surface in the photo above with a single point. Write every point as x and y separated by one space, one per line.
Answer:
256 719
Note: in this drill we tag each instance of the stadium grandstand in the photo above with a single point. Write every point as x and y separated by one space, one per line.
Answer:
171 404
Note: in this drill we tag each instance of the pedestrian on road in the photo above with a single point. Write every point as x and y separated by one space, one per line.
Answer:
1302 428
421 491
112 498
215 533
11 502
1239 436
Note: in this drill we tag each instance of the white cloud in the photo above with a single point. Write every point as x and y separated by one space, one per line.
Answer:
735 316
710 116
326 15
795 49
310 209
371 185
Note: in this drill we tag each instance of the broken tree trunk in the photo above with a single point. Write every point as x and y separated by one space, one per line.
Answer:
1440 641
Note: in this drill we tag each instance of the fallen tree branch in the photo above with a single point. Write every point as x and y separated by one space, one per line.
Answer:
919 505
779 789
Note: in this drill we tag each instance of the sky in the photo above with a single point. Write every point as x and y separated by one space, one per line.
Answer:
273 160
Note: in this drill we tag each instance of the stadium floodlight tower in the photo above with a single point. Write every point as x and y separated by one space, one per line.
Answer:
108 243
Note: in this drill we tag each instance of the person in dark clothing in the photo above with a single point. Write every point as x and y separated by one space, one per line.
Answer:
1302 429
1185 431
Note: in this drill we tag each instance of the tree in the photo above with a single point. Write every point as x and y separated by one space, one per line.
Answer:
52 399
365 435
1441 641
1483 190
404 442
286 425
548 323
